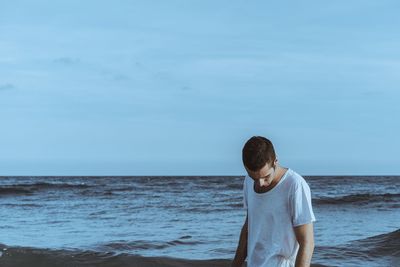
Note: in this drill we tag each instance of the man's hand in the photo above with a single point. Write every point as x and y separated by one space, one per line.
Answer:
241 251
305 236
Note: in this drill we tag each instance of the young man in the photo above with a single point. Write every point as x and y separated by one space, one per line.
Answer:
278 231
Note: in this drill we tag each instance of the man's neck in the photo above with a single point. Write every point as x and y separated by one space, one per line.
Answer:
280 171
278 175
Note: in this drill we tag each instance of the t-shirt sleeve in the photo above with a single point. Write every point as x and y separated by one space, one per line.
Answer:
301 207
244 194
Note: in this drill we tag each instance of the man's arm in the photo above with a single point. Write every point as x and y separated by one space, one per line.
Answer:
241 251
305 237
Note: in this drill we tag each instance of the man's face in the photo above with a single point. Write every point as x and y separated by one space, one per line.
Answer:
264 176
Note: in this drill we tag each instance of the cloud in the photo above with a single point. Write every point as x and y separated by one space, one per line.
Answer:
6 86
120 77
66 61
186 88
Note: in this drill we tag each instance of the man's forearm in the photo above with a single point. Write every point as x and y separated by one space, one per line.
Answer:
304 255
241 251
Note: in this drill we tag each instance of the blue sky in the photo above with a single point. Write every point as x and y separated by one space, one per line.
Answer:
177 87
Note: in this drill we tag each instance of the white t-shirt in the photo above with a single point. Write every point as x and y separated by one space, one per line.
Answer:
271 217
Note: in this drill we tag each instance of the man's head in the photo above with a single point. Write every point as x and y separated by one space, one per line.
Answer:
259 159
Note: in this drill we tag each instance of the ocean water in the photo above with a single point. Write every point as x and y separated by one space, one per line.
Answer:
103 221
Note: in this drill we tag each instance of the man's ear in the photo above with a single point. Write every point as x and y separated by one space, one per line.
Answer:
275 163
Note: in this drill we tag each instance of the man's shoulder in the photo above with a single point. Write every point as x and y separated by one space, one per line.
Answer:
246 180
295 180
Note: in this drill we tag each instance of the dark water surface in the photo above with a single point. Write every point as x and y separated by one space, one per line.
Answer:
147 221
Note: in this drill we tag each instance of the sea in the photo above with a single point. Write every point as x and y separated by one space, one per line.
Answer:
183 220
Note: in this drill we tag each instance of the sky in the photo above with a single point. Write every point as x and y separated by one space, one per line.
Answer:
174 87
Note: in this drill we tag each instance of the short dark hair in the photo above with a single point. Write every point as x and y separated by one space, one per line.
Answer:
257 152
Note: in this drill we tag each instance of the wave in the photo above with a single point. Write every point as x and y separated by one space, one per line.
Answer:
382 249
34 257
22 205
14 191
28 189
138 245
385 244
358 199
